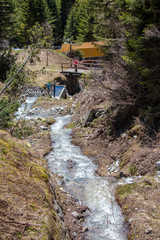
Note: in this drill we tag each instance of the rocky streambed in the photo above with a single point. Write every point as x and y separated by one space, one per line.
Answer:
101 218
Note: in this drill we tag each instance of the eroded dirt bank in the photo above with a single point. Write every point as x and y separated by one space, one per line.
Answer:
130 153
27 201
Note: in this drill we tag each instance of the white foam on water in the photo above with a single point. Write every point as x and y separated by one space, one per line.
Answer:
23 110
105 221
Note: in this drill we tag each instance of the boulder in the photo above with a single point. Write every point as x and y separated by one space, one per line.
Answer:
89 117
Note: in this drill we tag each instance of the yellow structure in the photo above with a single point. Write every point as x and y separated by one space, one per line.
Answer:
89 49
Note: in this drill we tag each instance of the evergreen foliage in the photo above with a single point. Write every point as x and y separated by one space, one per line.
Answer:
30 12
18 81
6 10
80 22
7 60
7 109
71 31
65 8
53 7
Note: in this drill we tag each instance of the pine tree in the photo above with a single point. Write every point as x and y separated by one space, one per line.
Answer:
71 31
6 10
53 7
66 6
30 12
39 10
80 22
86 22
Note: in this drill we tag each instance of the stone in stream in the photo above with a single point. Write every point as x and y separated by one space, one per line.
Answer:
70 163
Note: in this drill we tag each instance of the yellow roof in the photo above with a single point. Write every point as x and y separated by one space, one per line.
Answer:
87 45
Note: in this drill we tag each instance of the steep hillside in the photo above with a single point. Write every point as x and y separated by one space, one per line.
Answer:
27 202
129 154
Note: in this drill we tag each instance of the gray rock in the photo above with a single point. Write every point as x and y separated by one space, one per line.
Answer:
75 214
148 230
85 229
89 117
158 174
74 234
124 135
131 220
44 128
158 166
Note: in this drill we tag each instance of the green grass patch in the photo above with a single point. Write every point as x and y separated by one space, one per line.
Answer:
71 125
126 189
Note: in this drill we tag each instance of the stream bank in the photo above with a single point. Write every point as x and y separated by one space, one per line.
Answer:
129 156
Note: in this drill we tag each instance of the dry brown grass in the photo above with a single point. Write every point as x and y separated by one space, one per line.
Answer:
140 204
26 200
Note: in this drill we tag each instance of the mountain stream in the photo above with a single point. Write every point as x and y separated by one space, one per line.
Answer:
105 220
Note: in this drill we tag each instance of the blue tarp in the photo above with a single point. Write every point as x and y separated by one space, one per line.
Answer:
58 89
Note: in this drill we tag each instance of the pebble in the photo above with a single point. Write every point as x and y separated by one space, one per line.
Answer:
44 128
74 234
85 229
131 220
148 230
75 214
123 135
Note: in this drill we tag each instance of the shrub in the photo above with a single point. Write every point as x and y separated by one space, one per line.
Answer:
7 109
7 60
18 82
76 54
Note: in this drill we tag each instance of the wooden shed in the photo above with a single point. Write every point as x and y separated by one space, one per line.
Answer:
89 49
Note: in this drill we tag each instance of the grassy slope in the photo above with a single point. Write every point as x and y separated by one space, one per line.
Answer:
26 202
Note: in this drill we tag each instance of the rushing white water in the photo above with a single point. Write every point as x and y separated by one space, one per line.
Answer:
105 220
25 107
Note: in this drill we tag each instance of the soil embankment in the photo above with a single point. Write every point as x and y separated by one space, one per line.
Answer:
128 155
27 201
